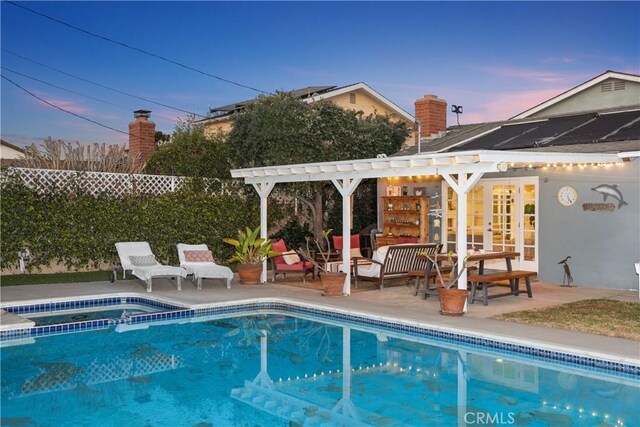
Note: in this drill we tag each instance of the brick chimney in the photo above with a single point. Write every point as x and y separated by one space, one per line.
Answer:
141 136
432 113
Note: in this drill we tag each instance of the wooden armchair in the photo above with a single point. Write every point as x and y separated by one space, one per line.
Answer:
280 266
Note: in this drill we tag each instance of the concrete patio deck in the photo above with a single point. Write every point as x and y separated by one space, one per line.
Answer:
396 301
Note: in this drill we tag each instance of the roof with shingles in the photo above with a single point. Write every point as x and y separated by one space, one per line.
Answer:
586 132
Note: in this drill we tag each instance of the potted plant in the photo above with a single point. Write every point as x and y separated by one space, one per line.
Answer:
332 282
452 299
251 251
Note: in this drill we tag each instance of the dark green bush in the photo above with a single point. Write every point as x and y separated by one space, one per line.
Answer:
80 230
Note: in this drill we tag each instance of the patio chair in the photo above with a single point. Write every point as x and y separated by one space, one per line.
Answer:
355 245
288 263
198 261
137 258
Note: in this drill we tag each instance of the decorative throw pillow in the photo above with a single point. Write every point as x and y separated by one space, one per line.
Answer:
291 257
143 260
355 252
198 256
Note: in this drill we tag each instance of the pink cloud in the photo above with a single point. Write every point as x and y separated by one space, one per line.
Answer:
65 104
532 75
501 106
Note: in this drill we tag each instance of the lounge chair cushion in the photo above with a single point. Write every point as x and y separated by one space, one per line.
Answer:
291 257
206 270
143 260
198 256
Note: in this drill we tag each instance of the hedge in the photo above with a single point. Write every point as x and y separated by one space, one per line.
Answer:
79 230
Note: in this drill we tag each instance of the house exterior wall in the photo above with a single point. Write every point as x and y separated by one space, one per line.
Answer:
594 98
8 153
603 245
224 125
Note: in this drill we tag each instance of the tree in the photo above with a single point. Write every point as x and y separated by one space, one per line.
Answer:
161 137
282 129
191 154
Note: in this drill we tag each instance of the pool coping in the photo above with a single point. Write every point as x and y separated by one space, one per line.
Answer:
588 358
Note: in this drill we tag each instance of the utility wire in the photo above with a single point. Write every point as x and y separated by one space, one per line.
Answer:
137 49
101 85
62 109
63 88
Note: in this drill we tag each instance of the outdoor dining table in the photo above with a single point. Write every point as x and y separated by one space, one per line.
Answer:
473 257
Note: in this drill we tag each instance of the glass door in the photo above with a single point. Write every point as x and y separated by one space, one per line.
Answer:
502 215
502 219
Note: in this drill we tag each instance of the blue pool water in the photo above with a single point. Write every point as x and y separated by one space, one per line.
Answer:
278 370
86 315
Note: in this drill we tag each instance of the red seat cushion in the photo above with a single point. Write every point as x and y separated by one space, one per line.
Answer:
295 267
355 241
279 246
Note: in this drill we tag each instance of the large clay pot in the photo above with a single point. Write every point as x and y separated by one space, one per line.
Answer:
332 284
250 273
452 301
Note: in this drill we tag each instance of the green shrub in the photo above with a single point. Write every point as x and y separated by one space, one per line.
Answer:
80 230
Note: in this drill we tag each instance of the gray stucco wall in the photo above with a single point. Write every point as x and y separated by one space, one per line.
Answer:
593 99
603 245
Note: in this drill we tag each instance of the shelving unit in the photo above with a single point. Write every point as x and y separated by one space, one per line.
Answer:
404 216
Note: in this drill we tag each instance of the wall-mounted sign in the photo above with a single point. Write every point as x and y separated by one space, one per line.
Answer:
598 207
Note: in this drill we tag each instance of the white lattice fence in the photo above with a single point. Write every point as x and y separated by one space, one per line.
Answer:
94 183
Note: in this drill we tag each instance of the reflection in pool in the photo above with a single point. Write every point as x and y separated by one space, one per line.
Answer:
273 370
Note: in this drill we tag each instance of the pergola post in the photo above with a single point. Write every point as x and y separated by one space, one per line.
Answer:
346 187
461 186
263 189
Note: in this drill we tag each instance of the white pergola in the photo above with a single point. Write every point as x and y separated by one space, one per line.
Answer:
462 170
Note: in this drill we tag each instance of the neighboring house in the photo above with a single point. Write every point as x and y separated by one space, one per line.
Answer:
10 153
357 96
589 212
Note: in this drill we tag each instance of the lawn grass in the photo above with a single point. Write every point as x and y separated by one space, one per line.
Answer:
40 279
595 316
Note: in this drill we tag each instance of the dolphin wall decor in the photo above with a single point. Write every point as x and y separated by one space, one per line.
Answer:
612 191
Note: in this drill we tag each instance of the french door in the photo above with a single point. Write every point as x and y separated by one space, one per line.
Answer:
501 216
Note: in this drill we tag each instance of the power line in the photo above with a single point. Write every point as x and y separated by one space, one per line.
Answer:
101 85
137 49
63 88
62 109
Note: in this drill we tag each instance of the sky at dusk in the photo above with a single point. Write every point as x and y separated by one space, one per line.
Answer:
495 59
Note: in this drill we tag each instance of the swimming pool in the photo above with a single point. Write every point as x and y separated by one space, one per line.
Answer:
279 369
115 309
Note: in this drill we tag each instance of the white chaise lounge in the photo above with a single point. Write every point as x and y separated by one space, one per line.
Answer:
203 269
137 258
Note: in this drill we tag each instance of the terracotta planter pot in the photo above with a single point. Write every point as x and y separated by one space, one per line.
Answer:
332 284
452 301
250 273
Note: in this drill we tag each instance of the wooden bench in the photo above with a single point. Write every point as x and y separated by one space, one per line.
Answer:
398 262
486 280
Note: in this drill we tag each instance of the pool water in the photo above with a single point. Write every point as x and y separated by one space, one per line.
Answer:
279 370
123 310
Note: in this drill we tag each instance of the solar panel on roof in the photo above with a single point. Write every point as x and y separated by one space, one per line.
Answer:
558 131
493 140
547 131
628 132
604 125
